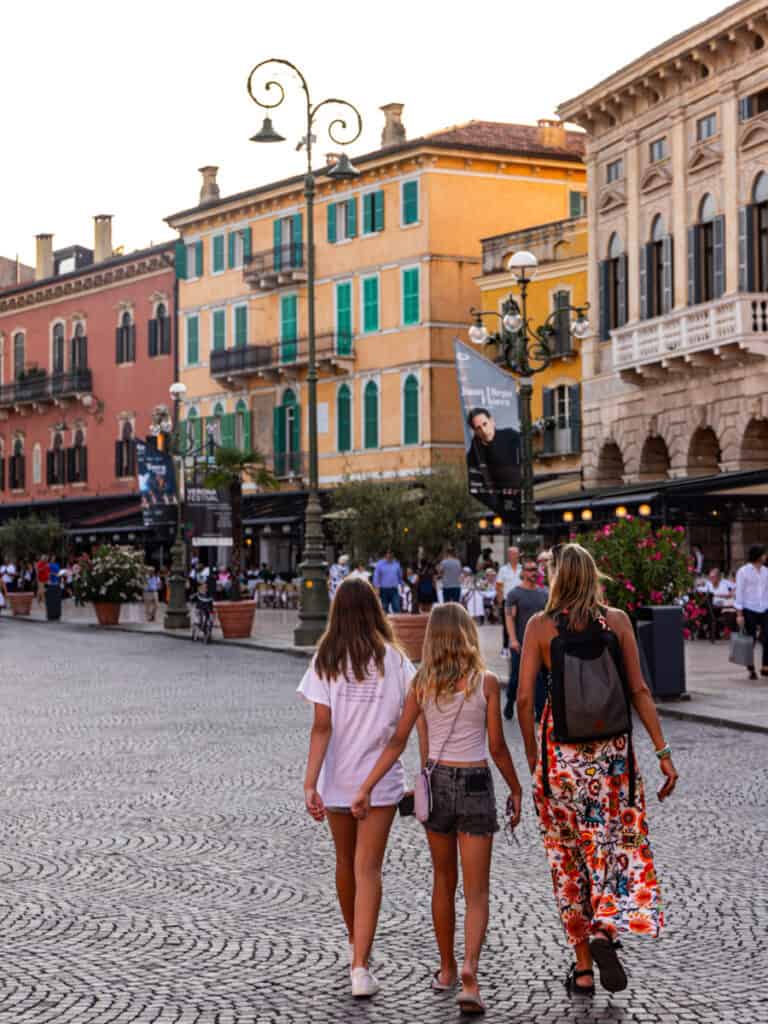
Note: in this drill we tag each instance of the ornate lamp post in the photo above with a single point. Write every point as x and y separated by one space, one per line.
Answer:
313 606
526 350
177 614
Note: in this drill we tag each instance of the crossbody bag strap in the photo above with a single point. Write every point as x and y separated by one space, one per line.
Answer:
444 744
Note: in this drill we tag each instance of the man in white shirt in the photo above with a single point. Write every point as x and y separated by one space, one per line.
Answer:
752 601
508 577
8 573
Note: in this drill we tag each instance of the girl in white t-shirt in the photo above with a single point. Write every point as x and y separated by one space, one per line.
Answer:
357 683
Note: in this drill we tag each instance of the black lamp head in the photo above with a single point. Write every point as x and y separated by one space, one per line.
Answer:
343 169
267 133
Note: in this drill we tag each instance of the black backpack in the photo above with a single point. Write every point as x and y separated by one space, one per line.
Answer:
589 696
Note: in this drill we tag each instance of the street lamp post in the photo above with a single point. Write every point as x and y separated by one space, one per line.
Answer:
526 351
177 614
313 604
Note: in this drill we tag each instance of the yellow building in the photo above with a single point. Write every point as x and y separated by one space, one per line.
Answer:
397 255
560 281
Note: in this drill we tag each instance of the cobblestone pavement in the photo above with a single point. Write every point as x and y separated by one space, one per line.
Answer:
156 865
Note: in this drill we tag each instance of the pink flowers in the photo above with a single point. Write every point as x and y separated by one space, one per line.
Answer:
657 597
629 586
656 556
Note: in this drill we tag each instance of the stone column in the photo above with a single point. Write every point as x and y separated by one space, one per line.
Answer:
632 241
679 225
729 132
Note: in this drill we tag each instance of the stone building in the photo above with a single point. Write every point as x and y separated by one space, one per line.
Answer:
675 374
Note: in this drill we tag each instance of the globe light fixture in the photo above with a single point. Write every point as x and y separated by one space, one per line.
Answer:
586 515
644 510
523 265
568 517
498 522
580 327
483 524
478 334
177 390
512 321
621 512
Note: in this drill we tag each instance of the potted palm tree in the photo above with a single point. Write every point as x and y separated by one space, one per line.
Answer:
232 466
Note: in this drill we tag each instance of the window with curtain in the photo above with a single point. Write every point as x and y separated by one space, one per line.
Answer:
344 419
371 415
411 410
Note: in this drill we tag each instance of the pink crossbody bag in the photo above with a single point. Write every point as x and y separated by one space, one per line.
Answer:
422 791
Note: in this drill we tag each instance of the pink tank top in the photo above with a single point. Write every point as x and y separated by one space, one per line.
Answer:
469 739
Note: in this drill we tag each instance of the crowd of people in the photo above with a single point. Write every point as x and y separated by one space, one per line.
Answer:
367 698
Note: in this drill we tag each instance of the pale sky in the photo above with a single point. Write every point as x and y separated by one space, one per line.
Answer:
111 107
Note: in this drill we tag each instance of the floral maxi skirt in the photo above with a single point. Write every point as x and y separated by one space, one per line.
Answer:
597 845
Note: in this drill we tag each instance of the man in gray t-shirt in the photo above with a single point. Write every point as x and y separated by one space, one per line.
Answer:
450 575
521 604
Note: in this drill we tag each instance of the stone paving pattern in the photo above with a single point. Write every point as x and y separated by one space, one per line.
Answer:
157 864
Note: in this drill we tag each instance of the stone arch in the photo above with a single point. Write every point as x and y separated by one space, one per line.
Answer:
704 454
654 459
610 466
754 445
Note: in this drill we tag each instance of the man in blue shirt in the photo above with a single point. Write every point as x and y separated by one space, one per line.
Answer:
387 577
55 571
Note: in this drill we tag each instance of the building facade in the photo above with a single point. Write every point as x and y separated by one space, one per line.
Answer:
397 253
675 375
560 281
86 360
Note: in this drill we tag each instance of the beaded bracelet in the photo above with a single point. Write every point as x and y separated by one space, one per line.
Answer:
664 752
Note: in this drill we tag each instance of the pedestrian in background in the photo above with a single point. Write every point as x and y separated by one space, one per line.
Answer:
152 585
388 578
752 602
589 794
337 572
426 591
43 576
450 570
357 684
459 703
521 604
508 576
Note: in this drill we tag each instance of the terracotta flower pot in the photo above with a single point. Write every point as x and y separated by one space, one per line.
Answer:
21 602
107 612
235 618
409 633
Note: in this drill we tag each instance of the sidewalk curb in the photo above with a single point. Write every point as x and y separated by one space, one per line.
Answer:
253 645
725 723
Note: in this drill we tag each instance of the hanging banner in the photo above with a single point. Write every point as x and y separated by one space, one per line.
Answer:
491 416
208 517
157 485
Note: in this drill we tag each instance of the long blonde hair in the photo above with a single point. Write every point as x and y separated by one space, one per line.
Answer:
451 653
576 587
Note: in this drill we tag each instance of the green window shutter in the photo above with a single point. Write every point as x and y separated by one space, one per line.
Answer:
288 327
218 253
410 281
199 259
368 214
246 431
193 340
344 317
231 240
296 241
378 210
411 411
196 431
574 204
352 217
296 434
181 259
228 430
331 222
277 243
371 304
241 326
410 202
247 244
371 415
219 330
344 419
278 438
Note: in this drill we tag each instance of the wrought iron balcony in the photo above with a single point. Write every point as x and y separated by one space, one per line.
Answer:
273 359
45 387
281 265
733 327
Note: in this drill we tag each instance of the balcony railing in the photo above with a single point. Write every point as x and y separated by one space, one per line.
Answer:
274 358
46 387
283 264
703 334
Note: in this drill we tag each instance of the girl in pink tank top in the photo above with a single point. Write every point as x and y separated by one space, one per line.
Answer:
457 707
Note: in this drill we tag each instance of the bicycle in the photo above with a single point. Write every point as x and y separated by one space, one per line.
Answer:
202 624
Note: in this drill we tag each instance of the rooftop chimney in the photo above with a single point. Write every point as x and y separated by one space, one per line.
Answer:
394 129
102 237
209 191
44 261
551 133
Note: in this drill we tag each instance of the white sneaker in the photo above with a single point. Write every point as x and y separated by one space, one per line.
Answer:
364 985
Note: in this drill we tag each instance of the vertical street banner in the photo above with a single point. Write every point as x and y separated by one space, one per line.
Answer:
157 485
491 414
208 516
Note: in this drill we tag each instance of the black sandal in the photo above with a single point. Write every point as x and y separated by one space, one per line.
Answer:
581 990
613 977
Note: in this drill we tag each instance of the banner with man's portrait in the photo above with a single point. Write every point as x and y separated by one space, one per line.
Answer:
491 415
157 484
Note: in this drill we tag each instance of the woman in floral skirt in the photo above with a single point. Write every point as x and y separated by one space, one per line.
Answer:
595 836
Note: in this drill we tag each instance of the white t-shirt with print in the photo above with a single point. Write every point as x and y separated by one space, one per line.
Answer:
363 719
509 577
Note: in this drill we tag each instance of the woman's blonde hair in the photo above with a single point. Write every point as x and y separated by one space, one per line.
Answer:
576 586
451 653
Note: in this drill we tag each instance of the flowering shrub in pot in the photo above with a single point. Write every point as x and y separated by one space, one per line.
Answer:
113 577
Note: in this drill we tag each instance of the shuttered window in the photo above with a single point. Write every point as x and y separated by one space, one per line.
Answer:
241 326
577 204
561 343
344 419
219 330
371 415
193 340
373 212
193 260
344 317
411 410
217 254
342 220
409 202
370 304
410 290
242 427
288 327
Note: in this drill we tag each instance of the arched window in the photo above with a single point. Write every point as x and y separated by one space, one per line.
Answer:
77 470
242 427
613 288
371 415
411 410
57 353
79 354
706 254
215 423
756 238
125 452
656 272
344 419
287 435
56 470
37 464
707 210
159 332
18 354
126 339
16 473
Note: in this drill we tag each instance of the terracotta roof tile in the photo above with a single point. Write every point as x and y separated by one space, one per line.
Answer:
499 136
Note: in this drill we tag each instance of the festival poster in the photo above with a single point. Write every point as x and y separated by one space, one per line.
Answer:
157 484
